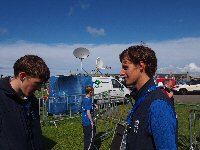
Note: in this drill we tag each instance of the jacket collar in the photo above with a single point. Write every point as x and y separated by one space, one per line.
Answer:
9 91
145 88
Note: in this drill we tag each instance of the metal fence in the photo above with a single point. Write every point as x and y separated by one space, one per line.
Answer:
188 126
111 110
60 108
114 109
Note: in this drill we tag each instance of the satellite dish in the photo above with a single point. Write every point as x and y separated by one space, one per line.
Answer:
81 53
99 63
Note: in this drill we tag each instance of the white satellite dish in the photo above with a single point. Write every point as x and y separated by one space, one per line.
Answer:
81 53
99 63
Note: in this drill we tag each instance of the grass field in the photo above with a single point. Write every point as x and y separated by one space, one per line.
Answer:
68 134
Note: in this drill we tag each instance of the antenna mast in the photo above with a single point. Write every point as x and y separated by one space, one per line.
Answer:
81 53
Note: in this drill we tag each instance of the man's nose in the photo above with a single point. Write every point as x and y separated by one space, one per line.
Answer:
122 73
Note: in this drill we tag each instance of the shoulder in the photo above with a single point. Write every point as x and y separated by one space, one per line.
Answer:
34 102
161 94
161 111
160 105
33 99
86 100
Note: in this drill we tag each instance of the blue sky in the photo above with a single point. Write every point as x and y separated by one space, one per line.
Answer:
54 28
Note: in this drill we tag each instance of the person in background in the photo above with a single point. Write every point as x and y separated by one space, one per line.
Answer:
45 98
89 128
153 118
19 113
167 89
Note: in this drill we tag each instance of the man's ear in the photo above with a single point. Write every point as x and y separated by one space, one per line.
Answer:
142 66
22 76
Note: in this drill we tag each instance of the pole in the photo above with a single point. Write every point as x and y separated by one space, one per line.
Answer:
81 65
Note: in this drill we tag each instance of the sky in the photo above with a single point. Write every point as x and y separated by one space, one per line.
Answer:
53 29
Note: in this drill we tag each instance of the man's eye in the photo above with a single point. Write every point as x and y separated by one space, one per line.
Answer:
37 84
125 68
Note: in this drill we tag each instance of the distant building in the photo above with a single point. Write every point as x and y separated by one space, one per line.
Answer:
183 76
197 78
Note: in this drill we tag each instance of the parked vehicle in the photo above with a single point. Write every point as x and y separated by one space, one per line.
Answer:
115 88
182 82
189 87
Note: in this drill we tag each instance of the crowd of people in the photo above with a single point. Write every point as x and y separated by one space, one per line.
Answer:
152 120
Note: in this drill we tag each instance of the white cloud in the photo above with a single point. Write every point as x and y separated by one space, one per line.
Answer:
192 67
177 53
166 69
175 56
95 32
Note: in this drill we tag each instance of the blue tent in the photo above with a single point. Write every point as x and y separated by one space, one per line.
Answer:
66 93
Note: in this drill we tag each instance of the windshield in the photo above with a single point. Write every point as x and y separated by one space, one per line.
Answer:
116 84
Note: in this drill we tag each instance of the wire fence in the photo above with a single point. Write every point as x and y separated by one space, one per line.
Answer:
115 109
109 112
188 126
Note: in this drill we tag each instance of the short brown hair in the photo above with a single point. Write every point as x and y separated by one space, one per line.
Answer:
89 89
33 66
138 53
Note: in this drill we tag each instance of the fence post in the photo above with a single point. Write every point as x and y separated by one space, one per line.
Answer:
39 104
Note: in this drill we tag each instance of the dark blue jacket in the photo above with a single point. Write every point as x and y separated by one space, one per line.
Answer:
154 123
19 127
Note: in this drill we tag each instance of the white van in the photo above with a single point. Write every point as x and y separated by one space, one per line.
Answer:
103 84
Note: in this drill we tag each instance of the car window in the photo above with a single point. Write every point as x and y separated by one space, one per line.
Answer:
116 84
198 81
194 82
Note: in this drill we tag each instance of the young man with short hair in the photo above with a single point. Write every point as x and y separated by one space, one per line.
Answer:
19 113
153 118
89 128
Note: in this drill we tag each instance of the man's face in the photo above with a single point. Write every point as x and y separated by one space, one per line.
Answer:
169 84
130 71
30 85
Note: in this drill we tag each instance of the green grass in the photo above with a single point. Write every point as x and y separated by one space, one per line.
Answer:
183 113
69 133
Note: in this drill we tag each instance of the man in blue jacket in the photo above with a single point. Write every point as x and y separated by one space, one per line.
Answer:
19 113
153 118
